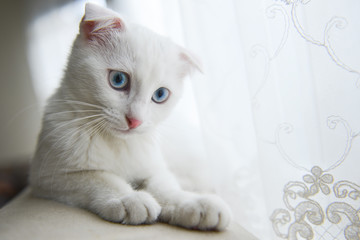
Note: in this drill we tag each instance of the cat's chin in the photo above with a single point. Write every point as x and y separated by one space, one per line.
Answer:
124 133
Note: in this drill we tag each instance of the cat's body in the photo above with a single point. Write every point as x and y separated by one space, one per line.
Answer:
98 147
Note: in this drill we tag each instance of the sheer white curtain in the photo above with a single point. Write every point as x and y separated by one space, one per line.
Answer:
278 108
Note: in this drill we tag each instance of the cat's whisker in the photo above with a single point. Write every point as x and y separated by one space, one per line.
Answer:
72 136
90 129
78 102
66 136
98 128
75 111
66 123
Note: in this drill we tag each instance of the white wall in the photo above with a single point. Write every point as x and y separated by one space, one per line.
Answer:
19 113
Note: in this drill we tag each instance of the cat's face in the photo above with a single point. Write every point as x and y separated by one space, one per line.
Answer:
134 74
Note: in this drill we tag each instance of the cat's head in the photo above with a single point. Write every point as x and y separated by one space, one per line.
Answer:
135 75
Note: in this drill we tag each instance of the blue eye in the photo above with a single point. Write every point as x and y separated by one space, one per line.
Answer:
119 80
161 95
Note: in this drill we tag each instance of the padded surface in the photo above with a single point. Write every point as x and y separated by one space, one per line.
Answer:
27 217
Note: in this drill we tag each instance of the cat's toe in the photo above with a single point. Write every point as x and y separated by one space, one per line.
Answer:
135 208
140 208
205 213
217 216
112 210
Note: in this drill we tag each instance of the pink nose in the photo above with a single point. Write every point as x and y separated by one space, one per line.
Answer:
133 123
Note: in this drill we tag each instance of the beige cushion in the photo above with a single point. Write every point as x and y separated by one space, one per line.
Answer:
27 217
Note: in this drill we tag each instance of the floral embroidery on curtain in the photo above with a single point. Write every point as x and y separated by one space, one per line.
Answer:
320 206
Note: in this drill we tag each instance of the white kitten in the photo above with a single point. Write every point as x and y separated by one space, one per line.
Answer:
97 148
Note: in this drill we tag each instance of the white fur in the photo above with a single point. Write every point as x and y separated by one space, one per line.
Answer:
82 160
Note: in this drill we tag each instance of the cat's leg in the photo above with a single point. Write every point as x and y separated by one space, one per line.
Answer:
104 194
186 209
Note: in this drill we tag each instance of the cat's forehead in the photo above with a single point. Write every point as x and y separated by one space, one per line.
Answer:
152 52
148 57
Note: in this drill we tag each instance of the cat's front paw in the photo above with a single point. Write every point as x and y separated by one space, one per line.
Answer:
202 213
135 208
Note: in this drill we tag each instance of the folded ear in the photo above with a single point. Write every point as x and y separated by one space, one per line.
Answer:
98 21
191 62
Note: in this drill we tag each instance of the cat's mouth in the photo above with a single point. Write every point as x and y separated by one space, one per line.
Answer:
120 132
132 126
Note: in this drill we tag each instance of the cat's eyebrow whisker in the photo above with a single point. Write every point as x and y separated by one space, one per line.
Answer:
78 102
